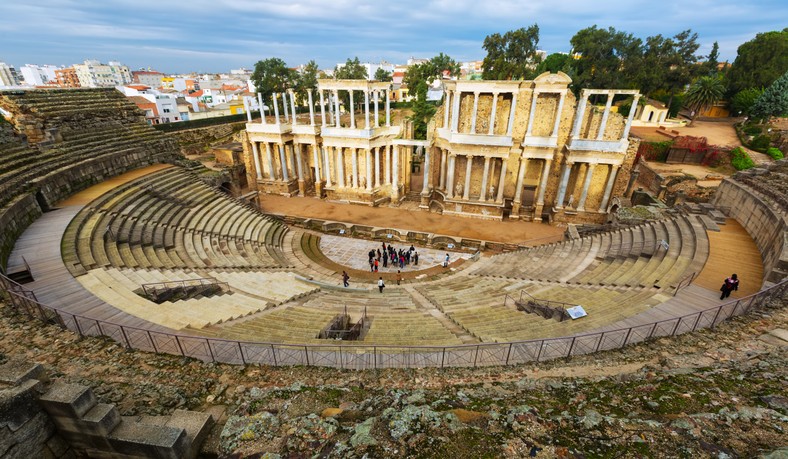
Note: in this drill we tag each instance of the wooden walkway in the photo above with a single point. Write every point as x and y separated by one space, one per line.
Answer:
53 284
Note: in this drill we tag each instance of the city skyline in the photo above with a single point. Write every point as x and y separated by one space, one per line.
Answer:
211 38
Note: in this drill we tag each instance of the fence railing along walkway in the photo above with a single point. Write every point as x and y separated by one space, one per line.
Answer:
364 356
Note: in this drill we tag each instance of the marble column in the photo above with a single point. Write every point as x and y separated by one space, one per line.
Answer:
611 179
270 159
300 169
352 111
292 105
284 106
322 108
366 109
340 166
283 162
395 173
425 189
442 184
491 131
475 109
293 162
511 115
518 191
336 109
501 181
466 192
256 160
368 163
559 200
579 113
246 109
311 107
532 113
327 165
446 108
483 194
581 204
276 110
354 166
603 124
388 164
316 160
455 112
560 109
450 178
388 107
377 167
377 121
262 108
631 116
543 181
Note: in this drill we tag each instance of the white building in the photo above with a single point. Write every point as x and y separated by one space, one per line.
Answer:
150 78
372 68
8 75
94 74
39 75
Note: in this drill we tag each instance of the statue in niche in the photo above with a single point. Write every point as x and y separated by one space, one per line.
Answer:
458 190
571 203
362 182
349 180
492 192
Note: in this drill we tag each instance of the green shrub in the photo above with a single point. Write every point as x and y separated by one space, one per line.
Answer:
760 143
752 129
740 160
775 153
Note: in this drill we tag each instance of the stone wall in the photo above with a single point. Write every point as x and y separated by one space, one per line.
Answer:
767 226
194 141
650 178
23 211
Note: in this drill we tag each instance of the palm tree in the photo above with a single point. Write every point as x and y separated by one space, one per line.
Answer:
703 93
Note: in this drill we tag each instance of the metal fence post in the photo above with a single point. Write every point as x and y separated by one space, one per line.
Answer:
509 353
273 354
306 352
153 343
476 356
714 322
241 350
126 338
571 346
599 343
207 343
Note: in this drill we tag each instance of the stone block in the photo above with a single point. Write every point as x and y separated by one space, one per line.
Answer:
18 404
142 440
99 421
68 400
197 426
15 371
718 216
30 439
709 223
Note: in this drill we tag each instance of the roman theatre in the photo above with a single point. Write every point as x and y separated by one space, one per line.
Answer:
106 229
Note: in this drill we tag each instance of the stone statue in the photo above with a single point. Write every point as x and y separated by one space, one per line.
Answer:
492 193
362 182
571 202
349 182
458 190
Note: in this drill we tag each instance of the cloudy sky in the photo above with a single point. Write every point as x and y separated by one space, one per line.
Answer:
215 36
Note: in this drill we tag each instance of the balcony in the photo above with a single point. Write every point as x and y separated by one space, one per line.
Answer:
360 133
270 128
614 146
475 139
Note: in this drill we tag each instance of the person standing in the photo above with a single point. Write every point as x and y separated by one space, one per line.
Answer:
381 285
377 265
730 284
446 261
385 261
416 258
399 277
345 279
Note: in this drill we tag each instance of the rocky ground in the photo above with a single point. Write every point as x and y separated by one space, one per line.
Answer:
715 393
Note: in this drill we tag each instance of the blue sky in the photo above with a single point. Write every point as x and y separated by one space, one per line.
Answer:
215 36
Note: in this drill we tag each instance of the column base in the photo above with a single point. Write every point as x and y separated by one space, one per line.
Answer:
301 188
318 190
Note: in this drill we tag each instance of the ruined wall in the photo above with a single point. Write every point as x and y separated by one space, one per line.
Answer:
194 141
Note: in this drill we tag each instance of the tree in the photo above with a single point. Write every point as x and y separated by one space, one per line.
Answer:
703 94
352 70
773 101
760 61
511 56
306 81
272 75
609 59
712 60
382 75
742 102
418 78
556 62
682 66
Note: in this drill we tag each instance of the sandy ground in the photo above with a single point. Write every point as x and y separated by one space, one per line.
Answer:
514 232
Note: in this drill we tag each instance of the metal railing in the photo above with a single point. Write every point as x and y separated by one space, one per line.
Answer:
684 282
159 292
547 309
365 356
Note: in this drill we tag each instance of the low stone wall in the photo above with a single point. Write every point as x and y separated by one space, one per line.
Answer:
431 240
650 178
194 141
766 226
13 222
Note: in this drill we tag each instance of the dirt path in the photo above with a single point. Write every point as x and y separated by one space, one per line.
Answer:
513 232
